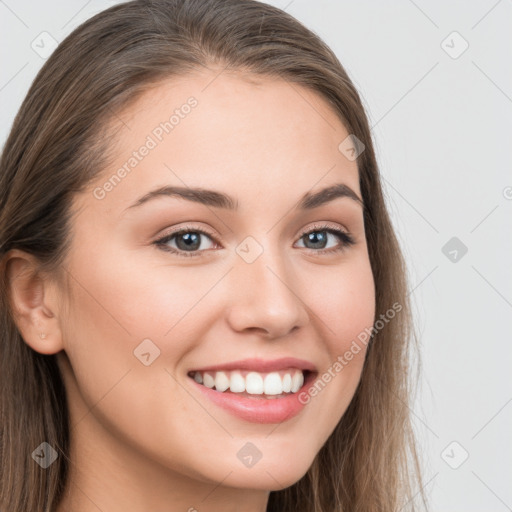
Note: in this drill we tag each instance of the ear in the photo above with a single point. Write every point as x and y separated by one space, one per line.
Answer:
33 298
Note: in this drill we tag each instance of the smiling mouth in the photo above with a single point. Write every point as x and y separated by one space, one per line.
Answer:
276 384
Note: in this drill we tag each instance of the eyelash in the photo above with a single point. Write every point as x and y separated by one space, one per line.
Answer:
346 240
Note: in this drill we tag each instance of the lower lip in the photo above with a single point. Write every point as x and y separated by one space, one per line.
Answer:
257 410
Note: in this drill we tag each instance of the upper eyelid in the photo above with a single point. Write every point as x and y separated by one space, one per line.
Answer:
319 225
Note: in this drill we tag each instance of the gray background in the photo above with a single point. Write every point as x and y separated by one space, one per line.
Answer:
442 123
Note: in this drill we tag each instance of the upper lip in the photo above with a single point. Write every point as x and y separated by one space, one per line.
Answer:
261 365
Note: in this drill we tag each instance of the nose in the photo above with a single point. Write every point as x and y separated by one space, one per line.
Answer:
266 297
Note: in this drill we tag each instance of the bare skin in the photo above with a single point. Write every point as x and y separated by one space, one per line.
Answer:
143 437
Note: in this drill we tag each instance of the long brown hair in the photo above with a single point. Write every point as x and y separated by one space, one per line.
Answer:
59 142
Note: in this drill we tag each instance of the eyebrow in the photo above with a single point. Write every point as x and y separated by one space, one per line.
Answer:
216 199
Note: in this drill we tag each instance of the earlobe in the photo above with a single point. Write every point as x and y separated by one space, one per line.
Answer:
33 301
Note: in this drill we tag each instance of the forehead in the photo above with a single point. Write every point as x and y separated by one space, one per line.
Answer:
251 136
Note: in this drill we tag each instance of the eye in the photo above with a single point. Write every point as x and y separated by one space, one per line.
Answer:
319 235
188 240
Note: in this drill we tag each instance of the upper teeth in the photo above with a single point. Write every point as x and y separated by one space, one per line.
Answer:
254 383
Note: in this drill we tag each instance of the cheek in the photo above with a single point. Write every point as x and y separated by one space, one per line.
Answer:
118 304
346 306
125 298
109 316
144 405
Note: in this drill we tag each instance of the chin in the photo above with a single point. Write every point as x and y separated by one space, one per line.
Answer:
274 475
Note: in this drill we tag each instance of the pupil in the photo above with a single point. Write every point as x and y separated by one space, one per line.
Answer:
315 238
192 241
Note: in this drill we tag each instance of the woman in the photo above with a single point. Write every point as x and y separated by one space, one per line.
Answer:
204 301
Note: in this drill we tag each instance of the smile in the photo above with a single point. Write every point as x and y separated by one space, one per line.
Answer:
244 382
255 390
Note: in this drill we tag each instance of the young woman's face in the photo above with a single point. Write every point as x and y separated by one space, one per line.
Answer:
264 283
